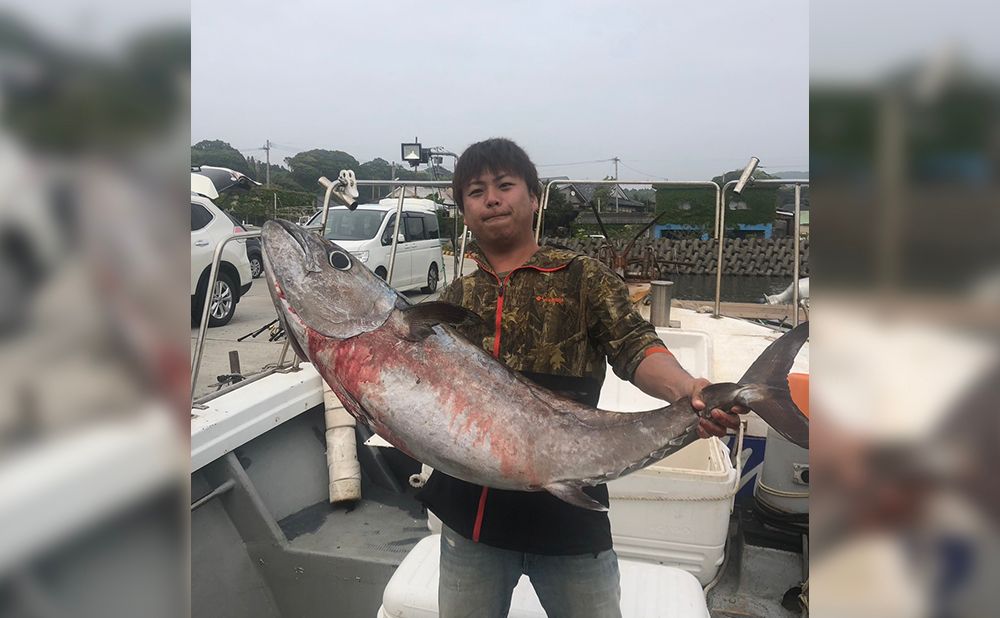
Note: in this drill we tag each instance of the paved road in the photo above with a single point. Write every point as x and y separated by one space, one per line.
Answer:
253 311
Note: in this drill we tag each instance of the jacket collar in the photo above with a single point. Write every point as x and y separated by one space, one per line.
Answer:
546 258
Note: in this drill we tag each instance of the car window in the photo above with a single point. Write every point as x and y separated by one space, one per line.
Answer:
431 226
414 227
200 216
387 234
343 224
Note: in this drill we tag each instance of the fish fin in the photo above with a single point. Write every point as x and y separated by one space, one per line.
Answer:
774 404
423 316
402 303
573 494
764 387
773 365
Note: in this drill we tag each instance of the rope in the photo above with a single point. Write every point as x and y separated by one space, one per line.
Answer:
726 496
781 493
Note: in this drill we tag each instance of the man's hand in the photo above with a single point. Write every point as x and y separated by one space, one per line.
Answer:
721 420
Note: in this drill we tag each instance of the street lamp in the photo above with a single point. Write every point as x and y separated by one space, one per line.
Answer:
745 176
414 153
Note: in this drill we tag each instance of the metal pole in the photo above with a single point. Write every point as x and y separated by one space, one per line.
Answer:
267 172
718 207
722 241
326 208
795 267
772 182
660 297
541 210
213 275
454 245
395 236
616 188
461 260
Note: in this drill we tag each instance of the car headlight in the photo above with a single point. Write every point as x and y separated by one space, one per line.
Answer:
361 255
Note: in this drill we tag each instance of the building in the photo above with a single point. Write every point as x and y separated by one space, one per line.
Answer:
580 195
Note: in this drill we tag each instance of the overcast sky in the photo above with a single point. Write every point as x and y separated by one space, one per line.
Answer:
680 90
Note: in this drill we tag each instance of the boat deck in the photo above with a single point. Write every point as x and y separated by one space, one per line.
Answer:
382 527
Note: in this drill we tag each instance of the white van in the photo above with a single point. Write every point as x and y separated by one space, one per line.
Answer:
367 233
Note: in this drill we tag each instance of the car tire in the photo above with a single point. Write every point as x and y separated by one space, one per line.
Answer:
381 273
256 265
224 308
432 279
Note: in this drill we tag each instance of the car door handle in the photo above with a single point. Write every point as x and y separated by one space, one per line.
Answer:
201 243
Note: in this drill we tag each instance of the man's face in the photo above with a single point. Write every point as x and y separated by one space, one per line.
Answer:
499 209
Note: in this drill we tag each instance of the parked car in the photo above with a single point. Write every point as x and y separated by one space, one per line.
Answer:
253 247
367 233
210 226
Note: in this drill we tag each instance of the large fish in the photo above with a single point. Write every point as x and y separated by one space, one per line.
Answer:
404 372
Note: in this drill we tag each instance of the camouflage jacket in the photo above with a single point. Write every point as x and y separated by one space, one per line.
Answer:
554 320
561 313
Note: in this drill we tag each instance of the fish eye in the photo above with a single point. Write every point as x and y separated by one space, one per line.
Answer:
340 260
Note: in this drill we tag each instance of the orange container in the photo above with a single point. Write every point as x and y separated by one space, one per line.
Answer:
798 384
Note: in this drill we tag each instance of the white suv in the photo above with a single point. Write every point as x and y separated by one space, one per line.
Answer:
209 227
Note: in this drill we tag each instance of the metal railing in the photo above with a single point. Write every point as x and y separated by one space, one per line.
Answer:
652 183
460 253
213 274
776 182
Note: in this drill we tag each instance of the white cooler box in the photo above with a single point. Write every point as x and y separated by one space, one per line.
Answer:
647 589
676 512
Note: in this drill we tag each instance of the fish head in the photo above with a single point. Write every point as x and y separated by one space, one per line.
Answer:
319 287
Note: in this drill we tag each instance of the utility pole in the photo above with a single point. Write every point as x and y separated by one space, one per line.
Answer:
267 172
617 188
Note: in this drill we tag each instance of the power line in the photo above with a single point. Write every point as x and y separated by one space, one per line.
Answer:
576 163
627 166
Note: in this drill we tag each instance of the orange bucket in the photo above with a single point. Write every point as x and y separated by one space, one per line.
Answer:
798 384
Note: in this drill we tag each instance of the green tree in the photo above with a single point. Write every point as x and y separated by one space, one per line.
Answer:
259 204
219 154
281 178
307 167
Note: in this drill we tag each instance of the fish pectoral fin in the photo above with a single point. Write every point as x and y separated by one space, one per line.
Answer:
423 316
574 495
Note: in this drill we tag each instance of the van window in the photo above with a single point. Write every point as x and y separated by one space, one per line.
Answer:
342 224
387 234
431 226
414 227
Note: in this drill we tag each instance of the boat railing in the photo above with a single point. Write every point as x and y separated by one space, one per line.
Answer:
213 276
718 228
721 229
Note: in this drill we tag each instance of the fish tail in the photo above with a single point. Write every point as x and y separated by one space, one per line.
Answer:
764 387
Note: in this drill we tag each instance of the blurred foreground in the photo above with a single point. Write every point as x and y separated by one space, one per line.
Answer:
905 147
93 353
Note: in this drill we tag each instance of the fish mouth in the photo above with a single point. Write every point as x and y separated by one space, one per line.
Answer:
312 258
292 230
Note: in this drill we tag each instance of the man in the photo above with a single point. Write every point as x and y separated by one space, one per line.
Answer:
555 316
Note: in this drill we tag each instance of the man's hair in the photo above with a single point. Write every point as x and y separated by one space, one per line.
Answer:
495 155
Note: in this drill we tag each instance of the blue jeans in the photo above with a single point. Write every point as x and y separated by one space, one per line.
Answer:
477 580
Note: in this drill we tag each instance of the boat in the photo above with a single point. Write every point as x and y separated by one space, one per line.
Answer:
716 529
